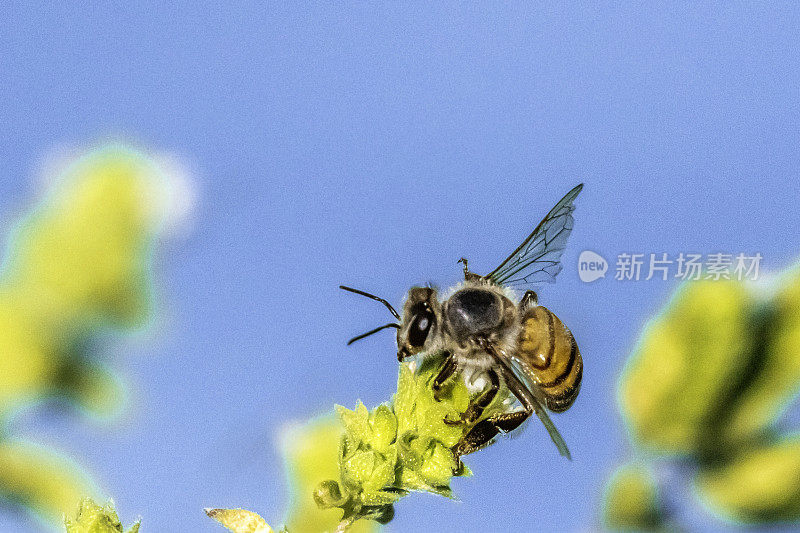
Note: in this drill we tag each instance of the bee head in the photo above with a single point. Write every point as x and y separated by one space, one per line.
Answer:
421 319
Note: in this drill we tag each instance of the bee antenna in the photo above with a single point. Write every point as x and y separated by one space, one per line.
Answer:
367 334
368 295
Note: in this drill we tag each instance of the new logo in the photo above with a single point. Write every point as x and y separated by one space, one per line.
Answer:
591 266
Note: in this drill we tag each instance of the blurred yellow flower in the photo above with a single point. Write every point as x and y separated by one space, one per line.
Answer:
632 501
709 378
76 266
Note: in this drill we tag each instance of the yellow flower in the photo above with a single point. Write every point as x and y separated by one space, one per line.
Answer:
76 265
709 378
92 518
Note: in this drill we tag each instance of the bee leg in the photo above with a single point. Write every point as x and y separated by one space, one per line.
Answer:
469 276
478 437
466 269
448 369
507 422
485 431
529 299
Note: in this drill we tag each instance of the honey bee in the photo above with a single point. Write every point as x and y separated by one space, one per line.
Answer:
484 331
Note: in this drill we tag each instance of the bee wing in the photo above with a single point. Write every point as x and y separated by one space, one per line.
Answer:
525 374
538 258
555 436
522 383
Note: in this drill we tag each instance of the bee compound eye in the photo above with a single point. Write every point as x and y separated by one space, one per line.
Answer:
420 326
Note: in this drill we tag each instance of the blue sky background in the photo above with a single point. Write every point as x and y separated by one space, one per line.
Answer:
374 147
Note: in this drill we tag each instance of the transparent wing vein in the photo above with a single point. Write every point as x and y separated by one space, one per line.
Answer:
538 258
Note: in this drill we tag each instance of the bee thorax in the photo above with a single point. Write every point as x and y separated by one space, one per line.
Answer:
473 311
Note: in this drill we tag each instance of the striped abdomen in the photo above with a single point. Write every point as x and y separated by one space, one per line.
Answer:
549 353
